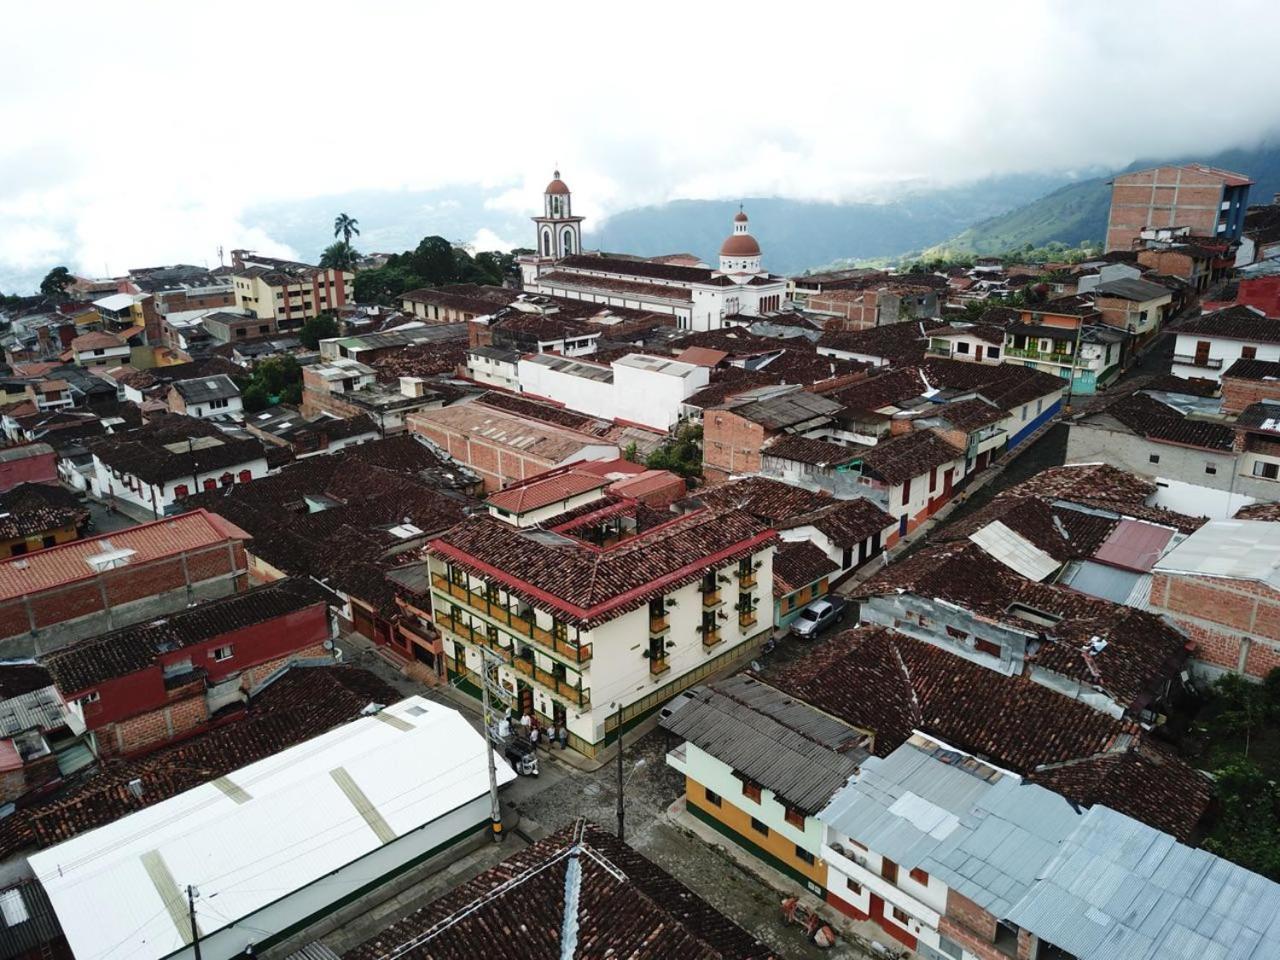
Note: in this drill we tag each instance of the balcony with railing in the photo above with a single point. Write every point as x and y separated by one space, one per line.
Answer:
470 634
747 620
711 638
659 626
747 579
711 599
524 626
1191 360
1045 356
548 681
658 666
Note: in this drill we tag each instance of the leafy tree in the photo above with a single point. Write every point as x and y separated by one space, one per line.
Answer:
1248 830
339 256
321 327
682 456
56 281
346 227
274 380
1245 707
384 285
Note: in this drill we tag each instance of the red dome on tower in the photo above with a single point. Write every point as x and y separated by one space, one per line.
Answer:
557 185
741 217
740 245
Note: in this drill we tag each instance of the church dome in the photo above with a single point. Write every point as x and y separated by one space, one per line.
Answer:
557 185
740 245
741 217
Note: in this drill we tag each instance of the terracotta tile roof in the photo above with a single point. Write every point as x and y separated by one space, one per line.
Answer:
175 448
1148 417
649 291
545 412
468 297
1168 383
87 663
1250 370
727 382
805 366
986 332
882 390
969 415
1260 417
908 456
800 449
1140 782
589 584
891 684
33 508
1234 323
894 342
765 498
627 908
798 564
367 489
1259 511
702 356
300 704
96 341
846 523
544 491
636 268
1142 651
69 562
735 341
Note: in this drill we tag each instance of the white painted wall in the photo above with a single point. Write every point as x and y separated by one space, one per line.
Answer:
159 497
655 398
1197 501
1228 351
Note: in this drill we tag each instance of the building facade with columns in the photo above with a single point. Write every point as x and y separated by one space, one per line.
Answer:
698 297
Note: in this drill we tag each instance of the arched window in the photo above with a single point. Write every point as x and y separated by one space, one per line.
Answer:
181 490
567 241
245 476
227 479
210 484
546 243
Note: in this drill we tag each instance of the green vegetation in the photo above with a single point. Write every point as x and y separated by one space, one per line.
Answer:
1240 743
56 281
682 456
339 256
321 327
434 262
346 227
274 380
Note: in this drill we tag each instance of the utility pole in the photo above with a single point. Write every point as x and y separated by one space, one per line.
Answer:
621 814
191 912
490 685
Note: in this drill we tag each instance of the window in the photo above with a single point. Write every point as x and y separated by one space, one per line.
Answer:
889 870
210 484
1211 469
245 476
93 696
49 541
994 353
919 876
713 798
804 855
986 646
751 790
901 916
906 493
1267 471
17 550
1248 353
1153 458
759 827
933 479
962 347
222 653
794 817
955 633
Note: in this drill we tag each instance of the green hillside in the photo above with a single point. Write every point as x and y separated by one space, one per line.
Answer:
1077 213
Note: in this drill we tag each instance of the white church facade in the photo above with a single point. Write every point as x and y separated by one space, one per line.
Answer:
698 297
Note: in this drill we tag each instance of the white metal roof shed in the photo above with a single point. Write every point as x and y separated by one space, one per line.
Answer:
262 833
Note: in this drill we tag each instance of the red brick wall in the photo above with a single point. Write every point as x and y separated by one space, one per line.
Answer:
123 585
42 468
1238 394
135 733
1223 617
730 443
496 465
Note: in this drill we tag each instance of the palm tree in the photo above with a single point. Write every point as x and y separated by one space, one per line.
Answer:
346 226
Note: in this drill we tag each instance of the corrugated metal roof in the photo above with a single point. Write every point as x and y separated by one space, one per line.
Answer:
21 937
1134 545
908 803
1002 843
801 754
1108 583
1236 549
297 826
1014 551
1120 890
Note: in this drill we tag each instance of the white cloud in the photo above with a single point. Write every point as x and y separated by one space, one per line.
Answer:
486 239
156 157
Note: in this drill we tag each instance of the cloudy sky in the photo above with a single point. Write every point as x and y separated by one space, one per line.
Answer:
137 133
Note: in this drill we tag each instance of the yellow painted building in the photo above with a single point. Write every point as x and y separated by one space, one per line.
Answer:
758 767
287 292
